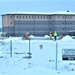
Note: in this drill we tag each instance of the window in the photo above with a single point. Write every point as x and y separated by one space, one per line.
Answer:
26 17
44 17
32 17
70 17
10 17
17 17
41 17
29 17
63 17
63 28
58 16
20 17
49 23
49 17
35 17
11 23
63 23
38 17
23 17
10 29
70 23
22 23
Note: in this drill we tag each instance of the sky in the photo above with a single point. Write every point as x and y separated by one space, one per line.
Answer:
7 6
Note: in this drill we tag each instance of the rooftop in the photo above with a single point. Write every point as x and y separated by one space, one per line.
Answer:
44 13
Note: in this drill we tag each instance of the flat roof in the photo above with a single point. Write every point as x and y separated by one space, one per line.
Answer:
43 13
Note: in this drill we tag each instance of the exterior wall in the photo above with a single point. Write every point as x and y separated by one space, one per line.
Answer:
34 24
4 21
11 20
8 24
64 23
18 25
8 30
7 20
33 27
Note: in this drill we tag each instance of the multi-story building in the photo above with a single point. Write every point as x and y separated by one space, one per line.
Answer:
17 24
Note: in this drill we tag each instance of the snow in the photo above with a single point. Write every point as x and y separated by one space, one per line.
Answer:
31 36
67 38
49 13
28 13
46 36
43 61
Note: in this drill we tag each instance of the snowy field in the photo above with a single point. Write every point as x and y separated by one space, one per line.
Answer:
43 61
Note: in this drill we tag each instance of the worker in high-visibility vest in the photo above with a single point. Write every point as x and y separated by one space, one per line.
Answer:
50 35
55 35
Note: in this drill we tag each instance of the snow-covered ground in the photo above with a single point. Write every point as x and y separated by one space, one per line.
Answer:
44 60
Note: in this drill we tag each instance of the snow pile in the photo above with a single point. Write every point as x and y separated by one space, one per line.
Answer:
46 36
67 38
31 36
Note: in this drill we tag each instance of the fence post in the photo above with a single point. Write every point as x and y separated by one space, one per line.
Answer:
29 47
10 48
56 55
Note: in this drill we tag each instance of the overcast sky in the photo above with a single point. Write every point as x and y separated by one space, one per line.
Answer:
7 6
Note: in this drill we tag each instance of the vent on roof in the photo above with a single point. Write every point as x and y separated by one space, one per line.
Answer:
67 10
